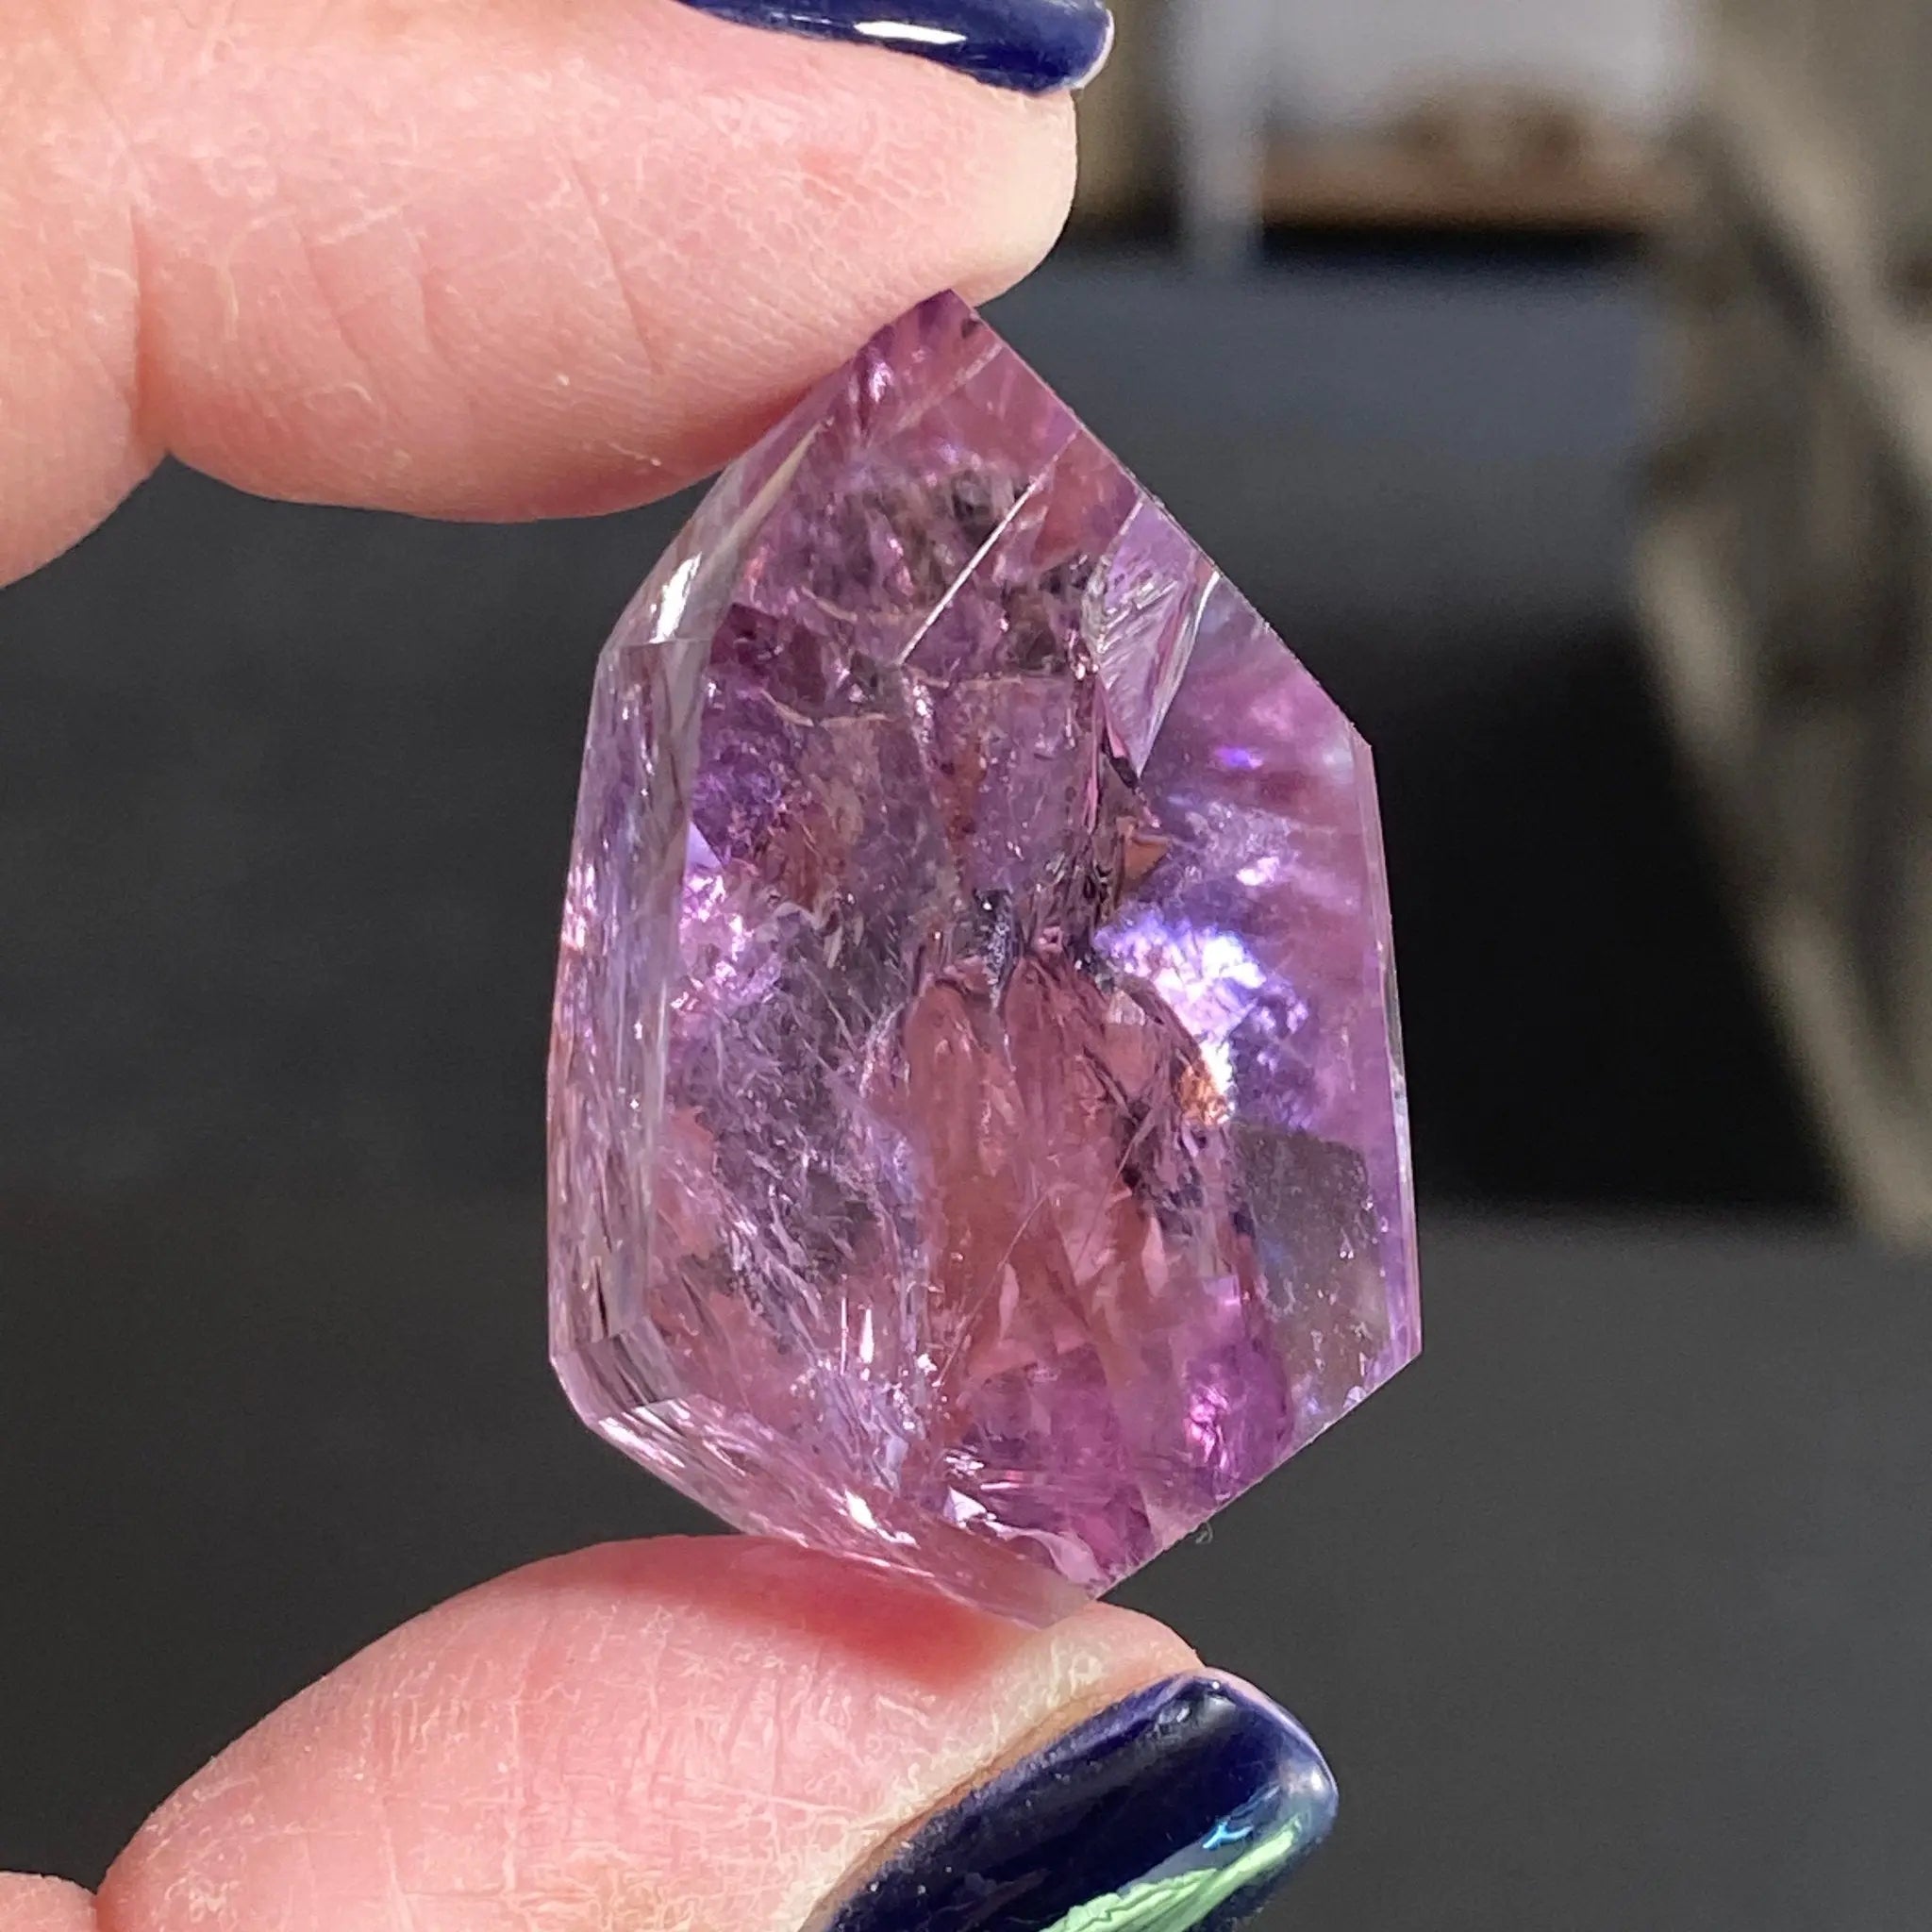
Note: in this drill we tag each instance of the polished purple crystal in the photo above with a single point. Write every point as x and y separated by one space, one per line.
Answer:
977 1140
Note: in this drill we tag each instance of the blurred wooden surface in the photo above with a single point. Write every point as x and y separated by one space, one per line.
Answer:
1365 182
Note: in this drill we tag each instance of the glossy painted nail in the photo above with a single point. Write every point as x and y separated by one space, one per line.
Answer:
1178 1810
1038 46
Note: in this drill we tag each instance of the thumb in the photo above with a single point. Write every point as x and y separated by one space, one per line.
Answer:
724 1735
469 258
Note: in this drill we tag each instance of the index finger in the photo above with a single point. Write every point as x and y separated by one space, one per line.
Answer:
463 257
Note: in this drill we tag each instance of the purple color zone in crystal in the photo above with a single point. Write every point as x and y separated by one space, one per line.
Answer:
977 1137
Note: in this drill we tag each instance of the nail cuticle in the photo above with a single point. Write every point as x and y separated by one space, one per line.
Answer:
1032 46
1180 1808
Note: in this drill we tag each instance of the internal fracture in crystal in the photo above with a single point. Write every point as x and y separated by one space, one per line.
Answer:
978 1138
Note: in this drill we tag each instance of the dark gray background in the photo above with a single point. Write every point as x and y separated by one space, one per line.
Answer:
1611 1613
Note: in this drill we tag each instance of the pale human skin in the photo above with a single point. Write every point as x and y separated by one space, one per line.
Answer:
510 258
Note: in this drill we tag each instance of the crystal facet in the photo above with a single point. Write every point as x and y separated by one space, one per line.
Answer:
978 1138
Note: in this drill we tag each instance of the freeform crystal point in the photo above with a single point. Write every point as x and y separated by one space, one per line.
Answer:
977 1141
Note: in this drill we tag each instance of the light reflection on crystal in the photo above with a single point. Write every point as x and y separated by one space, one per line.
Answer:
1208 978
977 1143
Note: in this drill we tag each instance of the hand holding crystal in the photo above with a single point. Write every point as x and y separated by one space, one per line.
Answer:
502 258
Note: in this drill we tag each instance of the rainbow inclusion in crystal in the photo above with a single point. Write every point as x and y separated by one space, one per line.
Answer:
977 1141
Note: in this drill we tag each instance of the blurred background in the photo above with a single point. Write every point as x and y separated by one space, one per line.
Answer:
1559 381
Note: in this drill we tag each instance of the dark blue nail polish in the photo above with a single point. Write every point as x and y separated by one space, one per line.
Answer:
1037 46
1178 1810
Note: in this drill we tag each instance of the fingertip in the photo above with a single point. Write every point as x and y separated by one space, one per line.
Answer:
44 1905
872 1631
485 262
1026 217
602 262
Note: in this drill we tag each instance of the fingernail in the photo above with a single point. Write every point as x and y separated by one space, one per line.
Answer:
1038 46
1181 1808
